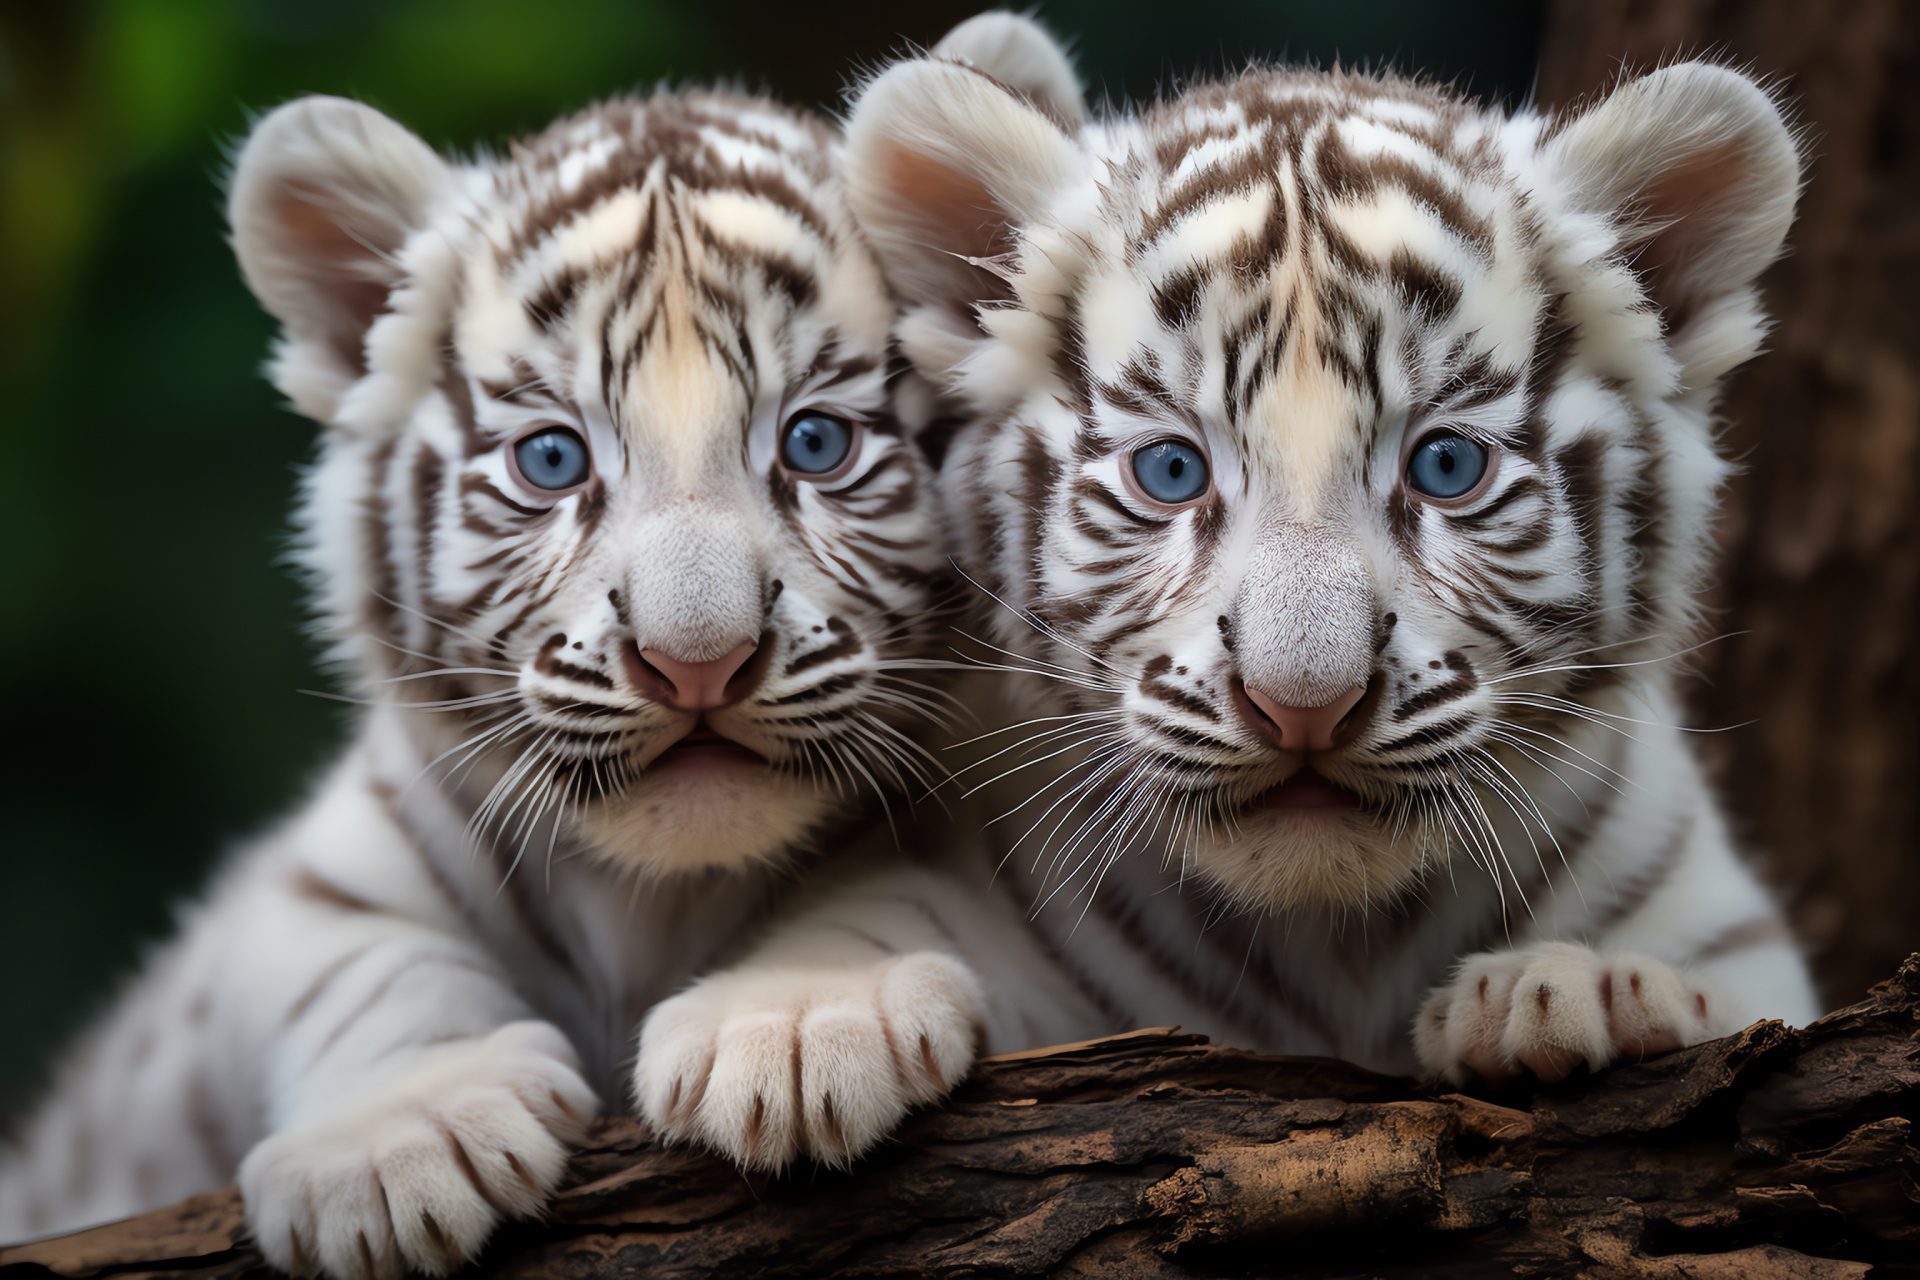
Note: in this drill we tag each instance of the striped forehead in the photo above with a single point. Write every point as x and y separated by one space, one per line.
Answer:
1299 253
634 268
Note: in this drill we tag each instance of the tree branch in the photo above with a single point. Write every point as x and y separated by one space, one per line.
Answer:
1770 1153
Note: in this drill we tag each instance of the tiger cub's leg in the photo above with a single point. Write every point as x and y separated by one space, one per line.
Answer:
844 1017
1699 957
872 998
412 1098
414 1171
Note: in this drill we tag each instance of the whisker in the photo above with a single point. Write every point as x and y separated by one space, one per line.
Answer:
446 704
442 623
1033 622
1524 672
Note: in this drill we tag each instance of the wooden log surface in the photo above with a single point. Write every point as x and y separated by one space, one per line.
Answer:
1772 1153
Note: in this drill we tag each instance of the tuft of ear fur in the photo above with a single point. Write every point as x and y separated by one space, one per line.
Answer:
1018 52
944 163
324 193
1698 169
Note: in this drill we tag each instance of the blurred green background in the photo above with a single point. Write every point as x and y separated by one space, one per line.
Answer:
152 651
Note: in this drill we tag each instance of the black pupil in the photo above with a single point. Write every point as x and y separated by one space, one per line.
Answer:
555 455
813 438
1176 465
1447 457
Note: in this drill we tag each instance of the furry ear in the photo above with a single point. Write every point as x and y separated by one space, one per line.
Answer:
944 162
1018 52
323 195
1698 167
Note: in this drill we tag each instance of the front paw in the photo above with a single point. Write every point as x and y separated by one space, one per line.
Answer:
1548 1007
417 1172
766 1065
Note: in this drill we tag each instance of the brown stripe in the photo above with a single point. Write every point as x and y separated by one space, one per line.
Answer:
315 888
204 1122
1652 878
1763 931
318 986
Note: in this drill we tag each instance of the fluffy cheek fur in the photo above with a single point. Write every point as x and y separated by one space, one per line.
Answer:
1284 860
705 821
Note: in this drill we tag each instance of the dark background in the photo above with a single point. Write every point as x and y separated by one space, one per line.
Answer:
152 653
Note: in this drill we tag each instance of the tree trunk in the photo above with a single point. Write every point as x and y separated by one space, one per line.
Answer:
1821 586
1772 1153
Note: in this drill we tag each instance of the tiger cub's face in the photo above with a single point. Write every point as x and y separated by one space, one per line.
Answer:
611 493
1337 443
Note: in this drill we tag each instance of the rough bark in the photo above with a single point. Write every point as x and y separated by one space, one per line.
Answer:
1773 1153
1822 570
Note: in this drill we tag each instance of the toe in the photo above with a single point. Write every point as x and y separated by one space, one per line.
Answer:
508 1155
671 1074
440 1218
851 1093
934 1011
352 1235
1465 1041
749 1110
1557 1016
1652 1011
275 1190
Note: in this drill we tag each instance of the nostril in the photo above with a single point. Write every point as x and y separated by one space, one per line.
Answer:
726 668
647 680
748 672
1335 713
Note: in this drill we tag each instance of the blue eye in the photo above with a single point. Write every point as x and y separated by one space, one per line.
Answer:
815 444
1446 465
1170 472
553 459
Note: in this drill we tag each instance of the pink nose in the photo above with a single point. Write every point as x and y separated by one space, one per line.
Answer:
693 686
1304 728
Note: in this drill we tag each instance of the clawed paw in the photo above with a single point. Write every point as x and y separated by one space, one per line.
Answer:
416 1175
767 1065
1551 1006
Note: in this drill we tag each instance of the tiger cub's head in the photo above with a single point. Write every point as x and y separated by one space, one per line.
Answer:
1337 443
610 495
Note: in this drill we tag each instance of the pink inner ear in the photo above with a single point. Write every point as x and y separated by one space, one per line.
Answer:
336 263
957 215
1689 208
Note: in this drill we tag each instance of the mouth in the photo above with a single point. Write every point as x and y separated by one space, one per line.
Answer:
1305 789
704 747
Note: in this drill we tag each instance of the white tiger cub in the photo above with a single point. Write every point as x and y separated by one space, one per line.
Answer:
614 529
1341 463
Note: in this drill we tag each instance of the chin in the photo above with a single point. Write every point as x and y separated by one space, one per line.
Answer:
1280 860
689 816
